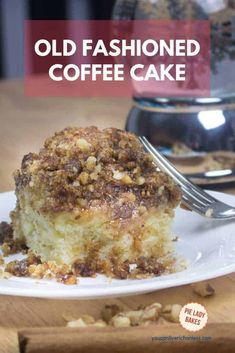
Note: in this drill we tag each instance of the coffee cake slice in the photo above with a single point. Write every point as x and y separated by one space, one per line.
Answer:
94 200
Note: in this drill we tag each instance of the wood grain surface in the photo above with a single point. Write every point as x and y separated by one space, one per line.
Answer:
24 124
126 340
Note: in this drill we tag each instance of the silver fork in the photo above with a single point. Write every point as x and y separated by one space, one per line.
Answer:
193 197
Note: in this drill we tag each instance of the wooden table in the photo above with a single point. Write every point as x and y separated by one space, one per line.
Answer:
24 124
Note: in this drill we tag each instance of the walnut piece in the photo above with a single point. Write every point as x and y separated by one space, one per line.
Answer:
172 313
77 323
109 311
203 289
144 316
120 320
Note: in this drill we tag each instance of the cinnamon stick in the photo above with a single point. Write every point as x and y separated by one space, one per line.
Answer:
151 339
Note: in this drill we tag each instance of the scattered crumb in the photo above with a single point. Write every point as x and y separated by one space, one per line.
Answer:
176 238
4 274
32 266
10 246
209 213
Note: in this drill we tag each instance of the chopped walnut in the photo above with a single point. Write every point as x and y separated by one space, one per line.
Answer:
13 246
166 309
77 323
118 175
82 322
171 313
68 317
37 271
91 163
100 323
120 320
84 178
68 279
126 180
73 167
82 202
88 319
33 267
148 266
135 316
151 312
161 190
203 289
6 275
94 176
109 311
75 158
144 316
140 181
18 268
91 188
83 144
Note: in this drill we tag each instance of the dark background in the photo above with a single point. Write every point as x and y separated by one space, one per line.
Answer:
13 13
58 10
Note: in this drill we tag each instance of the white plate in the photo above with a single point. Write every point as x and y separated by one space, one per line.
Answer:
207 245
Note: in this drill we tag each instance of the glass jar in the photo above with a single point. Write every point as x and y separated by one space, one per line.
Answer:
198 125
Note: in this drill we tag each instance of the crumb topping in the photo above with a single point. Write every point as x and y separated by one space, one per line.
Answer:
8 244
87 167
33 266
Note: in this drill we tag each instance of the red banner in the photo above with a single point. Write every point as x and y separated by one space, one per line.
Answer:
154 58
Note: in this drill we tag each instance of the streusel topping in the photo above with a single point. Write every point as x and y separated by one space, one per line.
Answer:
87 167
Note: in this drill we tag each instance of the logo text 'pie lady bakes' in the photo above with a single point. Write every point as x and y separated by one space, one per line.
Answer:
193 317
119 58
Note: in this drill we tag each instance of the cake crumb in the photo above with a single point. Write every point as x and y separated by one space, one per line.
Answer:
209 213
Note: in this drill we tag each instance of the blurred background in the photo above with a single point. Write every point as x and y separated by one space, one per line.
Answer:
198 135
13 13
25 122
